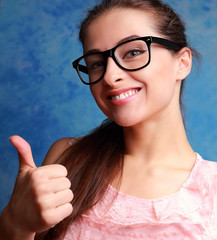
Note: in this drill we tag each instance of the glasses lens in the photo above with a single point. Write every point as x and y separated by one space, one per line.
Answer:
132 55
91 67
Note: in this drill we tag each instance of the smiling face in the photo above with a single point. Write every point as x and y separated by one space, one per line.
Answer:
131 98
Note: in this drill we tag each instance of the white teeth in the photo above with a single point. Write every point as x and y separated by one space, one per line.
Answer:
124 95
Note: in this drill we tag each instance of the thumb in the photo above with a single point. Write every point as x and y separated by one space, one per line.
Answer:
24 152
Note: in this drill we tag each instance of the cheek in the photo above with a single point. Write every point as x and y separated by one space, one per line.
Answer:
159 79
162 71
98 96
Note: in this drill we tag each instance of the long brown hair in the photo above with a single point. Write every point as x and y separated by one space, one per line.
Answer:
96 159
92 163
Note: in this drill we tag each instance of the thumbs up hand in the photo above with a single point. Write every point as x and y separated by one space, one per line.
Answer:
41 196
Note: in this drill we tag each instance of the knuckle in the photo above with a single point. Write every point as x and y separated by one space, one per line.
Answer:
63 169
43 203
68 183
35 176
68 209
70 195
41 189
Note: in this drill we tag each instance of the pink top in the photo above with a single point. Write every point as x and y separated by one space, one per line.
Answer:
191 213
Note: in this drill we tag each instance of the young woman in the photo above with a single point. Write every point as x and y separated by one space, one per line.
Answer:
136 176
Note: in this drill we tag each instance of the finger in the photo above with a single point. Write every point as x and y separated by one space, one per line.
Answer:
24 152
52 186
52 217
63 197
59 184
64 211
54 200
53 171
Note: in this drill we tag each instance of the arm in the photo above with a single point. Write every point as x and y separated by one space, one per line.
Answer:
35 204
8 229
56 150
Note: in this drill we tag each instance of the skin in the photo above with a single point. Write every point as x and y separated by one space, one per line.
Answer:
157 150
41 196
159 87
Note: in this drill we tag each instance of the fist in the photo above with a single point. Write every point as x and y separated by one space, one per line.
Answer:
42 196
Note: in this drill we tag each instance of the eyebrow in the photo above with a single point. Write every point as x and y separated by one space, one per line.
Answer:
119 42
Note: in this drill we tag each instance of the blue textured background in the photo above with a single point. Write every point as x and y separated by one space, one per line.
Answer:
42 99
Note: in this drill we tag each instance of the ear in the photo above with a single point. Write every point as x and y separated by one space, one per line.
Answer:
184 58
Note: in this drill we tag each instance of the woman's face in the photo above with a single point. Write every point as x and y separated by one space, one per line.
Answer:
149 94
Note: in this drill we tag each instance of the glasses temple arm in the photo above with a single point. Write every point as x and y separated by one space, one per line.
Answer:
166 43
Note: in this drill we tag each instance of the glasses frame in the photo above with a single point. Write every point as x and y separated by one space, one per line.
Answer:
111 53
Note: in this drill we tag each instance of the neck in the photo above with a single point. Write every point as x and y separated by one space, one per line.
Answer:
154 141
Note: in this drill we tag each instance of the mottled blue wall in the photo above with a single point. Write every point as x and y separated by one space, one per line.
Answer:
42 99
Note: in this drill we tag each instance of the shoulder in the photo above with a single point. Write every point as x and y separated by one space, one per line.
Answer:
206 174
56 149
207 166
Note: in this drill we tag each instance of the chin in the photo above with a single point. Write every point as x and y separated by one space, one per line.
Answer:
124 119
125 122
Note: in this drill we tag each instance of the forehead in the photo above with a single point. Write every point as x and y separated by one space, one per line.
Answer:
116 24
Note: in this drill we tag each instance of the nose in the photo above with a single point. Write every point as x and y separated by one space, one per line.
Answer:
114 74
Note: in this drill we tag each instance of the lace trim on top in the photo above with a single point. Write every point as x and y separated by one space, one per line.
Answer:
190 213
167 197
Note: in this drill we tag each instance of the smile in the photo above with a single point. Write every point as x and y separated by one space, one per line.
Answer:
124 94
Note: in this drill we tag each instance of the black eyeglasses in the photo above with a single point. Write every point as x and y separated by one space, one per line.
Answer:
131 55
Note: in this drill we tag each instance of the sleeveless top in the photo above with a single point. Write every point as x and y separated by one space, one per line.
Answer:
189 214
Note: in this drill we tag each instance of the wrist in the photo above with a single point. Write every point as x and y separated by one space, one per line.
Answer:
10 231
